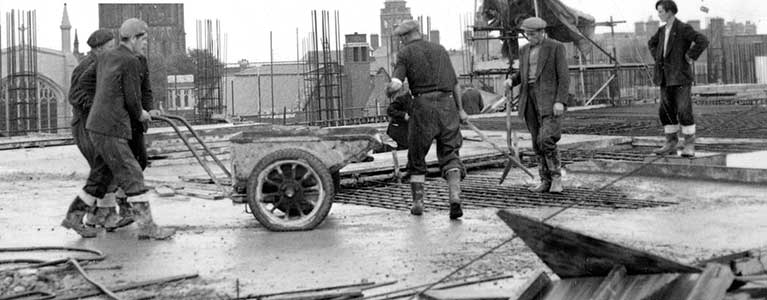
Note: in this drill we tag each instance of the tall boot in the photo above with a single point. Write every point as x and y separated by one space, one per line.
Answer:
543 172
416 187
147 229
555 171
453 177
74 218
125 217
669 148
688 150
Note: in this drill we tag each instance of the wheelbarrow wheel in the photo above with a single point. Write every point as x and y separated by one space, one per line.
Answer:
290 190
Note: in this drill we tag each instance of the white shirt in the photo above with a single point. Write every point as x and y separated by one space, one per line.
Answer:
669 24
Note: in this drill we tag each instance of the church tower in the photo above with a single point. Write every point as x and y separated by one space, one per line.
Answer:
66 42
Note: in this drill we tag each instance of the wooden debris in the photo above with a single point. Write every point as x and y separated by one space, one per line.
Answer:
533 286
571 254
130 286
165 191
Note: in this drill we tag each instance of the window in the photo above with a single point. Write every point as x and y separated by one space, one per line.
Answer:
356 54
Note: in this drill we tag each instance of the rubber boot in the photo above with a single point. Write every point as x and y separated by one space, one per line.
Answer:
125 217
416 187
454 193
74 219
90 219
147 229
555 171
543 172
688 150
669 148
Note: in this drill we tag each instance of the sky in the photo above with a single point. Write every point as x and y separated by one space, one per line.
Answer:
247 24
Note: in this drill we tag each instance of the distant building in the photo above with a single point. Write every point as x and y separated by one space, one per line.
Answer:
374 41
166 36
49 111
181 99
393 13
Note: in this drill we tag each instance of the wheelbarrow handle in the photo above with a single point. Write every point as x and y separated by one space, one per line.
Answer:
196 156
199 140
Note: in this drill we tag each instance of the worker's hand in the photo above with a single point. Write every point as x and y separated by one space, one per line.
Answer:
508 83
689 59
407 116
145 126
145 116
463 116
155 113
559 109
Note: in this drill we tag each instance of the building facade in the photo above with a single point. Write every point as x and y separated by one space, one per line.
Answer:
393 13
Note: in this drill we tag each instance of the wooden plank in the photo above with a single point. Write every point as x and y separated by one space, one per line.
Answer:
571 254
610 286
532 287
465 293
572 289
712 283
317 295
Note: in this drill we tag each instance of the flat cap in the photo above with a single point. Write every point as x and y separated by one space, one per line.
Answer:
133 27
100 37
406 27
533 23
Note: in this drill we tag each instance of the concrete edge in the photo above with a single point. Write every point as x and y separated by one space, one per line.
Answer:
712 173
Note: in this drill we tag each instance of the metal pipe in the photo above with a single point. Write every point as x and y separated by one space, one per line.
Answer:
196 136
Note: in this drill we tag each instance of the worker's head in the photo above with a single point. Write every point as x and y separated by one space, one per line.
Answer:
534 30
133 34
101 40
666 9
408 30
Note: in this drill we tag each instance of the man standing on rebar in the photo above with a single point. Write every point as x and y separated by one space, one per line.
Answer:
544 77
674 47
116 106
81 94
436 112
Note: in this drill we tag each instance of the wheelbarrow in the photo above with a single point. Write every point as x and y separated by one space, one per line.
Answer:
288 175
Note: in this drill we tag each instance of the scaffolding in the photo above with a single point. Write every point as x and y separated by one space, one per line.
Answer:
20 110
208 72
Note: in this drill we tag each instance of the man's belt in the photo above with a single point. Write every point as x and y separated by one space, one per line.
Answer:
431 93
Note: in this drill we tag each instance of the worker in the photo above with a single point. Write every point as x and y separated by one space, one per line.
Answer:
675 46
544 79
116 106
81 93
472 100
437 112
399 116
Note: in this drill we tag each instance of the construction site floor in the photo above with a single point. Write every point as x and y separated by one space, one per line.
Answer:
225 245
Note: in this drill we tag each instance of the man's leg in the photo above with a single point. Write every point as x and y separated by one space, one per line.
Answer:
449 141
95 187
126 170
686 119
533 124
420 135
550 135
668 118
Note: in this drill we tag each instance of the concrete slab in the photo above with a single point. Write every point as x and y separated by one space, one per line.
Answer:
752 160
674 170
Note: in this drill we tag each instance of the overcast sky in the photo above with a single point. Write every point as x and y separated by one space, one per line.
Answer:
248 23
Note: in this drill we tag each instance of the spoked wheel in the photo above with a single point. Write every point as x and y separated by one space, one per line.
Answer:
290 190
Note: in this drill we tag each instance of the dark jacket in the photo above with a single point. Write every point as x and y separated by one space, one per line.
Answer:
147 101
398 126
82 88
552 78
673 69
118 93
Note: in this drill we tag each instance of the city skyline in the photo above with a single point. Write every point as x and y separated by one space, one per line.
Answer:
247 25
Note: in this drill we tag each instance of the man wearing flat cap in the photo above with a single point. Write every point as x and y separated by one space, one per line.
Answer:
81 93
116 106
436 113
544 77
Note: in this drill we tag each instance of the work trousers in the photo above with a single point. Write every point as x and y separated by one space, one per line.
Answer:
83 142
546 131
114 161
434 117
676 105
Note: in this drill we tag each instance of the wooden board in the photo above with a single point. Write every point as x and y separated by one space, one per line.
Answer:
468 293
571 254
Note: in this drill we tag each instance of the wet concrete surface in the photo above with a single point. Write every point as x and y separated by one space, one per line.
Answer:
222 243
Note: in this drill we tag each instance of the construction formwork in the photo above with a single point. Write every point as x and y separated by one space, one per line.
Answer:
208 72
323 74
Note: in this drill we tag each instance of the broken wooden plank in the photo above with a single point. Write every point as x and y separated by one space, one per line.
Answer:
571 254
319 295
538 282
611 285
712 283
